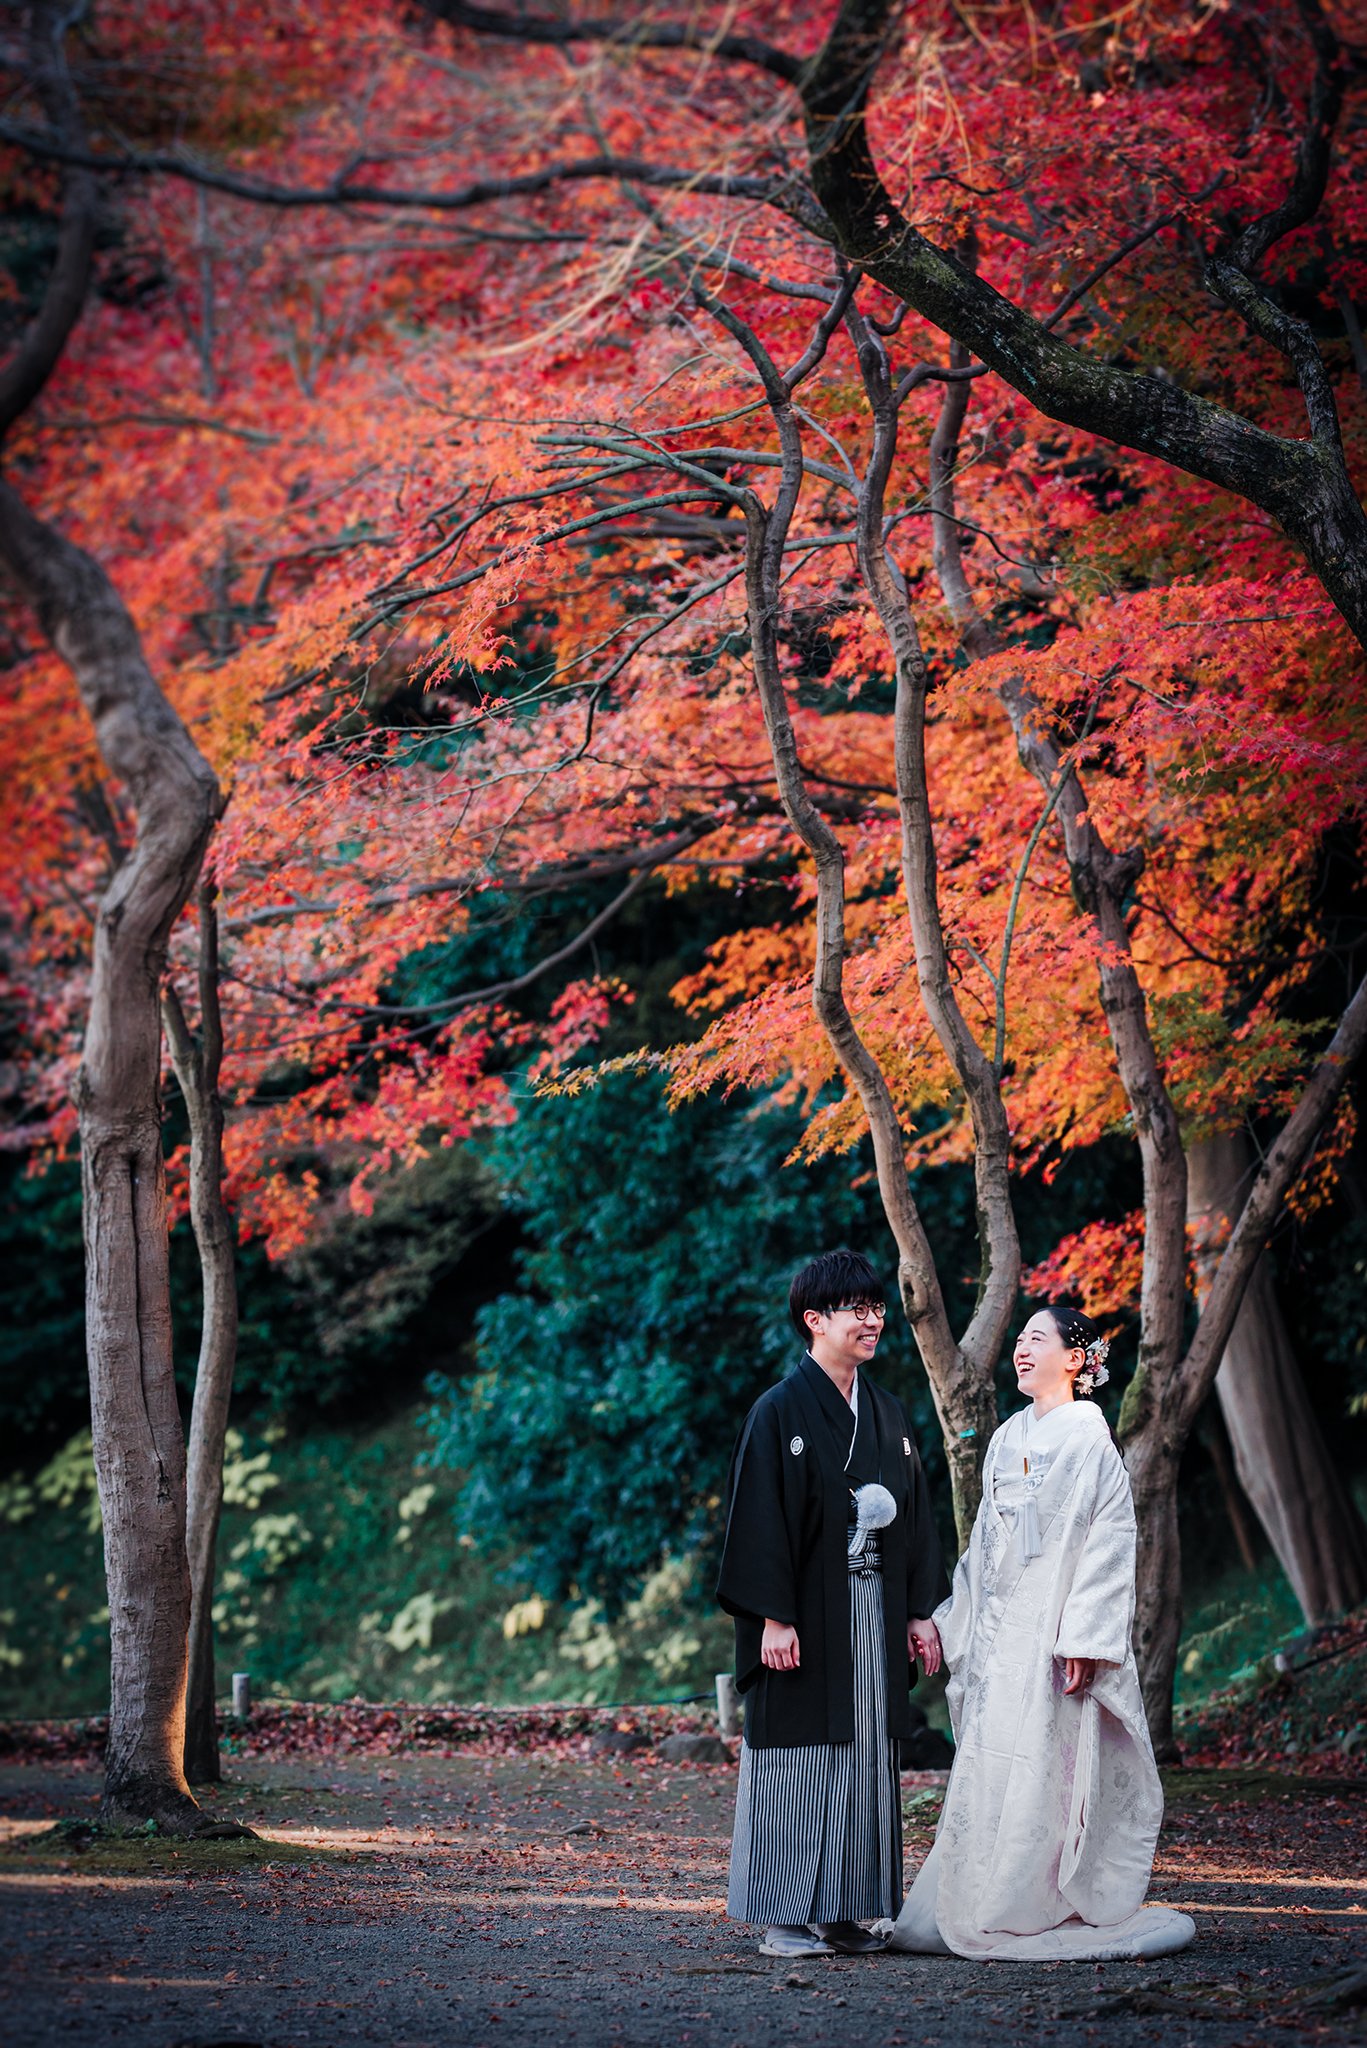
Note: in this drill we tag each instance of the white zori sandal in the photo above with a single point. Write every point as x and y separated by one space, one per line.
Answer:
794 1941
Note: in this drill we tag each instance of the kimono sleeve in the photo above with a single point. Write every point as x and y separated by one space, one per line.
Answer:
926 1580
1098 1613
758 1576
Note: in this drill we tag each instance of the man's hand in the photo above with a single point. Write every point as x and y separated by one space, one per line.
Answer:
923 1641
779 1651
1078 1673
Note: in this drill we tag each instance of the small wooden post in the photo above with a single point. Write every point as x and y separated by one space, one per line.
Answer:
729 1709
242 1694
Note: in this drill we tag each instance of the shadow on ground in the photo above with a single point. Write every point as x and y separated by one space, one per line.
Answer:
526 1900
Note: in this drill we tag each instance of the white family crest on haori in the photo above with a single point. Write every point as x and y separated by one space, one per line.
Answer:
797 1447
1051 1815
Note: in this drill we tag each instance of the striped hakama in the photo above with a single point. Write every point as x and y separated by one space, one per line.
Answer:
819 1829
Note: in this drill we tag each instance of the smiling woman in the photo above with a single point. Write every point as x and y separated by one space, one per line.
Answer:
1060 1355
1053 1808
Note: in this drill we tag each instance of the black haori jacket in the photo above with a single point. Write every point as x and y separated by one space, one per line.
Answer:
785 1553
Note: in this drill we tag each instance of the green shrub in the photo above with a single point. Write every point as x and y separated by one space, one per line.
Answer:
341 1572
650 1310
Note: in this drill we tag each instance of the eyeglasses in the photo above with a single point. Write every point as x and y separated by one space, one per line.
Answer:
862 1310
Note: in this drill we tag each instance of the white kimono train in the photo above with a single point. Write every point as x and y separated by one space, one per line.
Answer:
1051 1814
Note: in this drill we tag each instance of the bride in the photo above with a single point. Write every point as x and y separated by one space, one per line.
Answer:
1052 1810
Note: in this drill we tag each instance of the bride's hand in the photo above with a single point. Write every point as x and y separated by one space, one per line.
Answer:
923 1641
1079 1673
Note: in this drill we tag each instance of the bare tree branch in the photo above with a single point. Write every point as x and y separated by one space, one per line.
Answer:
1303 485
43 340
539 883
1304 196
179 422
346 190
621 33
495 991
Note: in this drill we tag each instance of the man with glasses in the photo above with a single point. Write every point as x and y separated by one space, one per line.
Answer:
831 1567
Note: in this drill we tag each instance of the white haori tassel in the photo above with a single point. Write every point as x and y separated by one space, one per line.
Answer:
874 1508
1026 1531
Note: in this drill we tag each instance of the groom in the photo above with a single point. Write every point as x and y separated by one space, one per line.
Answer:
830 1567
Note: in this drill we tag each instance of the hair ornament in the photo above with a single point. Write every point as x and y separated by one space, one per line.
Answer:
1093 1373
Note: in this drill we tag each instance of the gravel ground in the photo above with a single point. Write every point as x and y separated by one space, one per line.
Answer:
533 1900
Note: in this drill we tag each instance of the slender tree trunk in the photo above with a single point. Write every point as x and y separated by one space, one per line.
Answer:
197 1064
1101 880
960 1372
1168 1390
139 1446
1152 1462
1280 1455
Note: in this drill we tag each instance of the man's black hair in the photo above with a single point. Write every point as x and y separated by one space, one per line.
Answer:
829 1282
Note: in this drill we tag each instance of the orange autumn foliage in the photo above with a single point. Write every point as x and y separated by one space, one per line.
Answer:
453 643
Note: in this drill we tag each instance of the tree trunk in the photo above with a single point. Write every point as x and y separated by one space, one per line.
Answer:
1215 1437
139 1446
960 1372
1279 1453
1152 1461
1167 1391
197 1065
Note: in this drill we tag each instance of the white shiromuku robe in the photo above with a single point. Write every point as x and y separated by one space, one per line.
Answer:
1051 1814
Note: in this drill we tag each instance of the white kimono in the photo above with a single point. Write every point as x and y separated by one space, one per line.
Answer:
1052 1810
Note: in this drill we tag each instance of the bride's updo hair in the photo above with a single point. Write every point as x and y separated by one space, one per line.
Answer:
1080 1333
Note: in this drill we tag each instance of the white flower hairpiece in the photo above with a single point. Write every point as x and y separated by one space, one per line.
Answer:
1094 1373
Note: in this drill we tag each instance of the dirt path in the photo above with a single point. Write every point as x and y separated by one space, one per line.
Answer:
527 1900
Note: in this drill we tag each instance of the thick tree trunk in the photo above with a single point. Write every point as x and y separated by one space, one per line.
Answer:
1279 1453
1215 1437
197 1065
139 1447
139 1450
